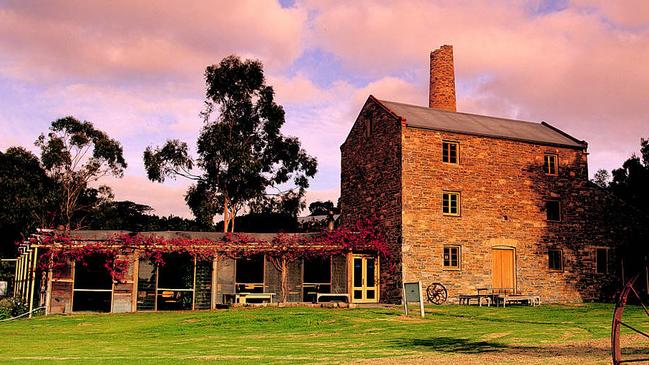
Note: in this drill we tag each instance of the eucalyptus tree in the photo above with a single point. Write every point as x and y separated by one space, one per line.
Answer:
27 200
75 154
242 153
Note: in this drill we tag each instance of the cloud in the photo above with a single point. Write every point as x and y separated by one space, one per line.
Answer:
166 199
127 40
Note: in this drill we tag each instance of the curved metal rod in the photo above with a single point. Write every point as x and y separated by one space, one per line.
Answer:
616 350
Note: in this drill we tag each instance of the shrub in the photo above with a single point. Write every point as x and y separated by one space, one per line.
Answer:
10 307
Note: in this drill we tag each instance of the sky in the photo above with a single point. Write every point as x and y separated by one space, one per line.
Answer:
135 69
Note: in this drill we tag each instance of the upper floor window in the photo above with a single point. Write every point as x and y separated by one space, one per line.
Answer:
451 203
555 260
553 210
452 257
368 127
601 260
450 152
550 164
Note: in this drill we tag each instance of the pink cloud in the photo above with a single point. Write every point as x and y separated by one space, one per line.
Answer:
165 199
140 39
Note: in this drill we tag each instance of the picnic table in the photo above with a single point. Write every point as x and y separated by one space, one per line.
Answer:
484 294
499 296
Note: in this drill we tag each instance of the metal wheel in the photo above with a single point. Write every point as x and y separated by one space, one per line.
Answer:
436 293
621 300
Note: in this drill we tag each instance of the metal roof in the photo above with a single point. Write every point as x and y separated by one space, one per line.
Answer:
428 118
105 235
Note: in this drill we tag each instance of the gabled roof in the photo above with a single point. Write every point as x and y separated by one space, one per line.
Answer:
481 125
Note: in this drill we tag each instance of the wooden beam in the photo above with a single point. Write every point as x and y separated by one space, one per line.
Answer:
33 281
213 286
136 279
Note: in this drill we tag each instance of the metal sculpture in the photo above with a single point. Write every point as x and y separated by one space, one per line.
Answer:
436 293
616 349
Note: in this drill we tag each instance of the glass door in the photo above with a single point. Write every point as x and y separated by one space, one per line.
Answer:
365 279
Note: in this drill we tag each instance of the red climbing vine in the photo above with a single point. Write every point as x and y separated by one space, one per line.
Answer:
61 248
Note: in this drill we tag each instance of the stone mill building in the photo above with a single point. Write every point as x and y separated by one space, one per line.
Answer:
476 201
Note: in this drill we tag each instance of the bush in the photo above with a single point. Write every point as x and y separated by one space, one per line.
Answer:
10 307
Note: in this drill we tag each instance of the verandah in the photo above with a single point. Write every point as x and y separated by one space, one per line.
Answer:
121 272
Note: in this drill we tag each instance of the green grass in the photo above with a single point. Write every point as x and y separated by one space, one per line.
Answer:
298 335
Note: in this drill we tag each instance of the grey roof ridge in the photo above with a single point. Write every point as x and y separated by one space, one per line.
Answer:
582 142
543 123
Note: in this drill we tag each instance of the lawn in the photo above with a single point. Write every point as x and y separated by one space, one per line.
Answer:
448 334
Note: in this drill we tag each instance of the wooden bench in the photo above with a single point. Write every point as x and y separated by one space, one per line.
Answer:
532 300
244 298
333 297
465 299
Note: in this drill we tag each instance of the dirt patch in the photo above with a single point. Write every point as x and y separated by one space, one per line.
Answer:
569 353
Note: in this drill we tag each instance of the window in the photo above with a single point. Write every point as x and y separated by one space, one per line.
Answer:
249 274
601 260
368 128
93 285
553 210
317 278
550 164
555 260
175 290
451 203
450 152
146 284
452 257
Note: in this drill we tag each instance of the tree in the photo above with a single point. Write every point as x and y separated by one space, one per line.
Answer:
242 152
323 208
630 182
75 154
602 178
27 198
131 216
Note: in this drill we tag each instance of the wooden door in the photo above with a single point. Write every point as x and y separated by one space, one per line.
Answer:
503 273
364 279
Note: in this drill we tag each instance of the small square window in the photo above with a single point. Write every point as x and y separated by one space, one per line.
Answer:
550 164
555 260
451 203
553 210
601 260
450 152
452 257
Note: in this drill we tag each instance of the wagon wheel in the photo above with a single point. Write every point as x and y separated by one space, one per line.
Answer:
436 293
616 349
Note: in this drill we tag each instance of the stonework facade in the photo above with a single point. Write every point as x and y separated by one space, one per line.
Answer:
396 172
371 183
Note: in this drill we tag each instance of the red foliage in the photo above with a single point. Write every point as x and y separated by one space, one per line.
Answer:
364 236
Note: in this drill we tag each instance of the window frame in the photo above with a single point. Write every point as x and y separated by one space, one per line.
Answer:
450 267
596 260
546 167
448 155
561 266
459 203
547 210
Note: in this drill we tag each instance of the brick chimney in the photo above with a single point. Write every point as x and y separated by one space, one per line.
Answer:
442 79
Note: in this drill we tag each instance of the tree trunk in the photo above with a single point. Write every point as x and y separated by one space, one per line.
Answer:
226 218
284 272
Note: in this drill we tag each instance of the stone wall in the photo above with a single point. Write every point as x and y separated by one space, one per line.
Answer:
503 189
371 183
